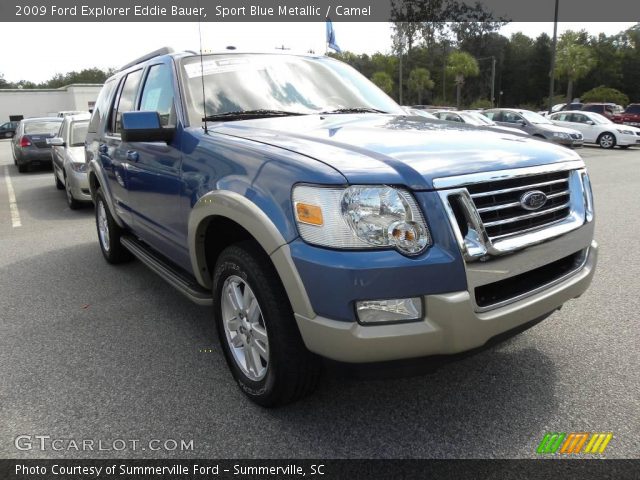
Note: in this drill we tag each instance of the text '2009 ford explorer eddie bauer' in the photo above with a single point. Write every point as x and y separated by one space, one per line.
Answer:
320 220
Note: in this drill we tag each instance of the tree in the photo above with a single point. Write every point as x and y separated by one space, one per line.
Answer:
419 81
573 60
384 81
461 65
605 95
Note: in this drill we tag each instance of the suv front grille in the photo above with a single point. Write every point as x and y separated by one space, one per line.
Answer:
498 203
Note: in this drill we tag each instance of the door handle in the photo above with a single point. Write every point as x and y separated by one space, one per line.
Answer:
103 148
132 156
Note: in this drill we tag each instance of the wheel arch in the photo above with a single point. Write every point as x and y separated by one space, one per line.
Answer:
240 219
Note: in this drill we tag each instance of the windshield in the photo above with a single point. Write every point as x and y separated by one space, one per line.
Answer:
475 118
534 117
42 128
79 133
267 82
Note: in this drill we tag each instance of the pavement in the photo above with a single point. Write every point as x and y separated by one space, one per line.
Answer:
90 351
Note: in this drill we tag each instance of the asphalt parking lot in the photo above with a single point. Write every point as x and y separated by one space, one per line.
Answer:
93 351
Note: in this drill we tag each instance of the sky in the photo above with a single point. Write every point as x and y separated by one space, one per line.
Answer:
75 54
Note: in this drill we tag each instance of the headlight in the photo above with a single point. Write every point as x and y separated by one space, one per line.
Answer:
625 132
78 167
367 216
560 135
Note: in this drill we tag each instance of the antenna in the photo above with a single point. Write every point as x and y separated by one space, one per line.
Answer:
204 101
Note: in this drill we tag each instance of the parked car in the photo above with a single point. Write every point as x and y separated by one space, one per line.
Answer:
477 119
572 106
69 165
604 109
630 116
598 129
418 112
8 130
535 125
29 144
294 196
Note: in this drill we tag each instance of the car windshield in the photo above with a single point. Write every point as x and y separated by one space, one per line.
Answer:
43 128
476 118
534 117
265 84
79 133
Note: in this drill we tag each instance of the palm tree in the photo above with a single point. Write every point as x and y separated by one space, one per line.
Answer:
461 65
573 60
419 81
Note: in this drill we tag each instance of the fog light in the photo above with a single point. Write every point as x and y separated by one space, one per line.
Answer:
393 310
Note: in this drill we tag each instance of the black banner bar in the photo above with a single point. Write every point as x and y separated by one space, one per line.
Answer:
561 468
315 10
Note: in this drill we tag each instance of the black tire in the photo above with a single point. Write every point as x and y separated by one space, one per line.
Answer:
72 202
114 252
607 140
59 184
23 167
292 372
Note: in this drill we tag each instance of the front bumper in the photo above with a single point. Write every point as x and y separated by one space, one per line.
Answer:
451 324
79 185
568 142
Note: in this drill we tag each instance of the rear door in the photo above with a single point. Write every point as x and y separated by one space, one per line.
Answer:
153 169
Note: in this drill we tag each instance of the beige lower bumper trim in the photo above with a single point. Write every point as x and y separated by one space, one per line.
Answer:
451 325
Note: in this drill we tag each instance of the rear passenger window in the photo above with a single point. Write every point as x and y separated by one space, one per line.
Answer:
126 102
157 94
101 108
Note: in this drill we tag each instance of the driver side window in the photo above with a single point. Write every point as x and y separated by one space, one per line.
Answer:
157 94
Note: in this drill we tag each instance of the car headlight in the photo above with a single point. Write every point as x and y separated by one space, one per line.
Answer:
78 167
625 132
361 216
560 135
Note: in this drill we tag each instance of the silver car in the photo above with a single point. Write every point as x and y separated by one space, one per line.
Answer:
535 125
67 154
478 120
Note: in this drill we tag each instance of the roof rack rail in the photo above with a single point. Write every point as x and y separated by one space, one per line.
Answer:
148 56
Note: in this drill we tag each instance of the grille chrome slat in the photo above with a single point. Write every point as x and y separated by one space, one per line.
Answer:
525 217
515 189
516 204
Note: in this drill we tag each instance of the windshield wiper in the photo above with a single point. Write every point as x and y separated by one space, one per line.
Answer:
248 114
353 110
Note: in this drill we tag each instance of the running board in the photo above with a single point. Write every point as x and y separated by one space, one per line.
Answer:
169 273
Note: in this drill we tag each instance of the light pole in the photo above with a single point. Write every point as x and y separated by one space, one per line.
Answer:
493 77
553 57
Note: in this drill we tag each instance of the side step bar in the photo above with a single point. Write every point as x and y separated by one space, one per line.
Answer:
170 274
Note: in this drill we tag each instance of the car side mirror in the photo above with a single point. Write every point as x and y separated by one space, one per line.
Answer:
522 123
55 142
590 122
144 127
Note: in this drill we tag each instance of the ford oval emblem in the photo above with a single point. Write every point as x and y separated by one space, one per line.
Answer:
533 200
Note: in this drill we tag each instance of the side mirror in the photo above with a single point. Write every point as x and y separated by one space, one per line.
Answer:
55 142
522 123
590 122
144 127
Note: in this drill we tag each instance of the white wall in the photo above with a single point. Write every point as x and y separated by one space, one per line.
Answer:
43 102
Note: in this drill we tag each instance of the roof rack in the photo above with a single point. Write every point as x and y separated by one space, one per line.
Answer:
148 56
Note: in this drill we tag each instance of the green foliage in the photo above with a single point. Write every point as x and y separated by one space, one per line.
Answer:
605 94
481 103
420 81
384 81
88 75
574 59
462 64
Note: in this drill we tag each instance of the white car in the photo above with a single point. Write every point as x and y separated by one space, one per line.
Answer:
598 129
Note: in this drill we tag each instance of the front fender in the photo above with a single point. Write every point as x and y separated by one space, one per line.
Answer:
248 215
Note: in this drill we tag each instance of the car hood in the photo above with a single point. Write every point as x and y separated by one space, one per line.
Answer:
396 149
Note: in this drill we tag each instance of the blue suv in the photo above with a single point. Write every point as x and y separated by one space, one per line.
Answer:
321 220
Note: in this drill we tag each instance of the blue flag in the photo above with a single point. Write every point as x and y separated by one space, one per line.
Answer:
331 37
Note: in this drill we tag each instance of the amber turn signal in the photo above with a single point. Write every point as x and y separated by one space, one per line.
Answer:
311 214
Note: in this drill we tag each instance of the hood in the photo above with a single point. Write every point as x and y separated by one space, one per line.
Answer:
395 149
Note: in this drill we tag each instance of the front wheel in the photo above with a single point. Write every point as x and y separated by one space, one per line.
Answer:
109 233
71 201
607 140
257 329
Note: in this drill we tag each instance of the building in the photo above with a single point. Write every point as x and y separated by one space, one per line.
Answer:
41 102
